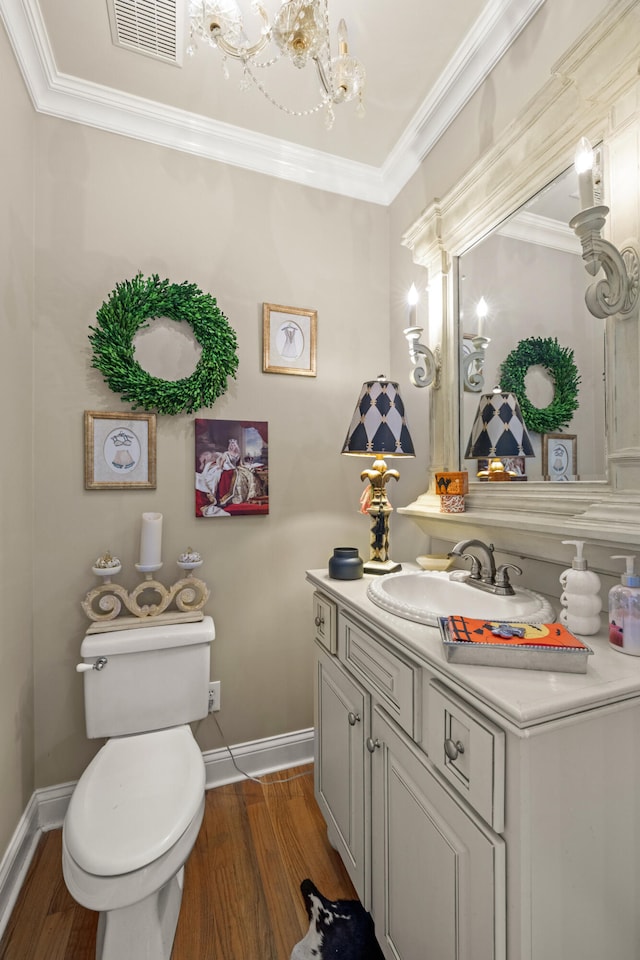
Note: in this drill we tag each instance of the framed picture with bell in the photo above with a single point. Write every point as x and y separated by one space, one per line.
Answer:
560 456
119 451
289 340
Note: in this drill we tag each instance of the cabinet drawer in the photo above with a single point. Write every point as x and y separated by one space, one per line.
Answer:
325 618
468 750
393 681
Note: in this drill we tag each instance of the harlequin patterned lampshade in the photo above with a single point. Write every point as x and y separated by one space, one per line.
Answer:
378 426
498 429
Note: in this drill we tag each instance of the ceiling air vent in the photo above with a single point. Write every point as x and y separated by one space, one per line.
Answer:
154 28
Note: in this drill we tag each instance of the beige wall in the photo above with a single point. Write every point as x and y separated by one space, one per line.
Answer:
107 207
16 545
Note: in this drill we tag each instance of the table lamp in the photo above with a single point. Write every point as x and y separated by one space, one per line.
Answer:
498 431
379 429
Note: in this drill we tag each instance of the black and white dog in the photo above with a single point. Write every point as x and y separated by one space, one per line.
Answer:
338 929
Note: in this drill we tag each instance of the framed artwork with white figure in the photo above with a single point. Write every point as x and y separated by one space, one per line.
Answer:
231 468
289 340
560 456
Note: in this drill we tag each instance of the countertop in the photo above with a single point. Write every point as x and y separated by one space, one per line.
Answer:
524 698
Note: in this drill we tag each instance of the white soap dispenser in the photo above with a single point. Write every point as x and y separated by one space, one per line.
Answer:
581 597
624 611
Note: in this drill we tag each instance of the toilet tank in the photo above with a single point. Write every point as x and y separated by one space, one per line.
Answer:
154 677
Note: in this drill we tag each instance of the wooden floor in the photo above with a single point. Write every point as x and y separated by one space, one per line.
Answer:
241 897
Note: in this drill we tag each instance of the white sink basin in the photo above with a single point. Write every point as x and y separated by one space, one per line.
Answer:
427 595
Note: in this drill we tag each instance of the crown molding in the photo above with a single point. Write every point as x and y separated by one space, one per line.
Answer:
543 231
115 111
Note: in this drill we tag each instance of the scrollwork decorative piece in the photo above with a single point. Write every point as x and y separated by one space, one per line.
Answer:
426 363
618 291
473 364
150 598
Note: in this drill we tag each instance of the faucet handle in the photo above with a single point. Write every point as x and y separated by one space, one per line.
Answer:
475 570
502 575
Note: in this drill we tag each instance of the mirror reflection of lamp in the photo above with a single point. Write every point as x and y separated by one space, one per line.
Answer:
498 432
473 360
426 364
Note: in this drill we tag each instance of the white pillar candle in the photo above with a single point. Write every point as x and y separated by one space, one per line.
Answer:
151 540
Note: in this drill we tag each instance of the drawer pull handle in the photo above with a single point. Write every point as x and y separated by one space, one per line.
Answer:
453 748
319 621
353 718
372 744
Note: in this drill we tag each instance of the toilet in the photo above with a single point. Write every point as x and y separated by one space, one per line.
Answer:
135 813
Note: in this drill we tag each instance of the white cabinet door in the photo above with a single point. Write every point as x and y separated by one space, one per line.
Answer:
438 870
342 767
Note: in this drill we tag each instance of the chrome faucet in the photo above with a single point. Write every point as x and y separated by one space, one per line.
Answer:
483 573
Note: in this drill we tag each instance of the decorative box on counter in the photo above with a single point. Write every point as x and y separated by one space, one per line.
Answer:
451 488
529 646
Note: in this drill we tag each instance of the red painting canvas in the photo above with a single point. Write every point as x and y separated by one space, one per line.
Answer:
232 468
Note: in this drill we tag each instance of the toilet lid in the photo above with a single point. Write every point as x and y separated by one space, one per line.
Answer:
134 801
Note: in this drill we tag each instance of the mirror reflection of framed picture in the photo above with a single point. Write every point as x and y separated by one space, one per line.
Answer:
560 456
289 340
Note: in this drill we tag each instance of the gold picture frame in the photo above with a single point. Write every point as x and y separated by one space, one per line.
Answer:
289 340
119 446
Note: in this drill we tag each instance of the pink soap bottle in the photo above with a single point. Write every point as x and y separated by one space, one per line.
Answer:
624 611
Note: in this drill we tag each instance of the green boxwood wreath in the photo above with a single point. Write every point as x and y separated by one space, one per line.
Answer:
558 361
129 308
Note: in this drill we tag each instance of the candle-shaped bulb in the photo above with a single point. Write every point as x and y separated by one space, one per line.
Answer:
583 163
481 312
412 300
343 39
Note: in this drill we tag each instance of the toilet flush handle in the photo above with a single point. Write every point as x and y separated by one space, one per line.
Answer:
100 663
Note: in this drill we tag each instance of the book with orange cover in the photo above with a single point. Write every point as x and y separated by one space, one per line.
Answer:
532 646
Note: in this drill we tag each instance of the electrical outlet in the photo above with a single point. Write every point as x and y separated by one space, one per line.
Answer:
214 696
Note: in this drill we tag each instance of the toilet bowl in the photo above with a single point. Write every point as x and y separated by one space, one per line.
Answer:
131 824
135 813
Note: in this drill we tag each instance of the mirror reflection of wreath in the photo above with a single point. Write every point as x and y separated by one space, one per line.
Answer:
129 308
558 361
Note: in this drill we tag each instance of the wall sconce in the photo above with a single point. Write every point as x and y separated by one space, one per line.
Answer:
474 356
426 364
618 291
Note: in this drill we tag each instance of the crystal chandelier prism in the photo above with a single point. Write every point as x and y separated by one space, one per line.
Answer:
299 32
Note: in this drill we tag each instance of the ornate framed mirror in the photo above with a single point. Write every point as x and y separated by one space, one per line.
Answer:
594 91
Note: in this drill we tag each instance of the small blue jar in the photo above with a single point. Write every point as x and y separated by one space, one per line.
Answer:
346 564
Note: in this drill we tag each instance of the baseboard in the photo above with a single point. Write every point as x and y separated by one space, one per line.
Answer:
258 757
17 859
47 807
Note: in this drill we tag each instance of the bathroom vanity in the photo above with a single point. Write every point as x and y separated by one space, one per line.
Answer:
483 813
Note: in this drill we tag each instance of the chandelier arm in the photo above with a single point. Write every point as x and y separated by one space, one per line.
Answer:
323 77
238 53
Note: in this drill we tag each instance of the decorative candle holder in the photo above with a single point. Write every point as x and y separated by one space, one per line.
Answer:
150 599
426 364
619 291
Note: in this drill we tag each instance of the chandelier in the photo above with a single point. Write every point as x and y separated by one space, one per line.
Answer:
299 31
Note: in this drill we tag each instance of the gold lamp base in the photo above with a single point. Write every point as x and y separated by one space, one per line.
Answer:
496 471
379 509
